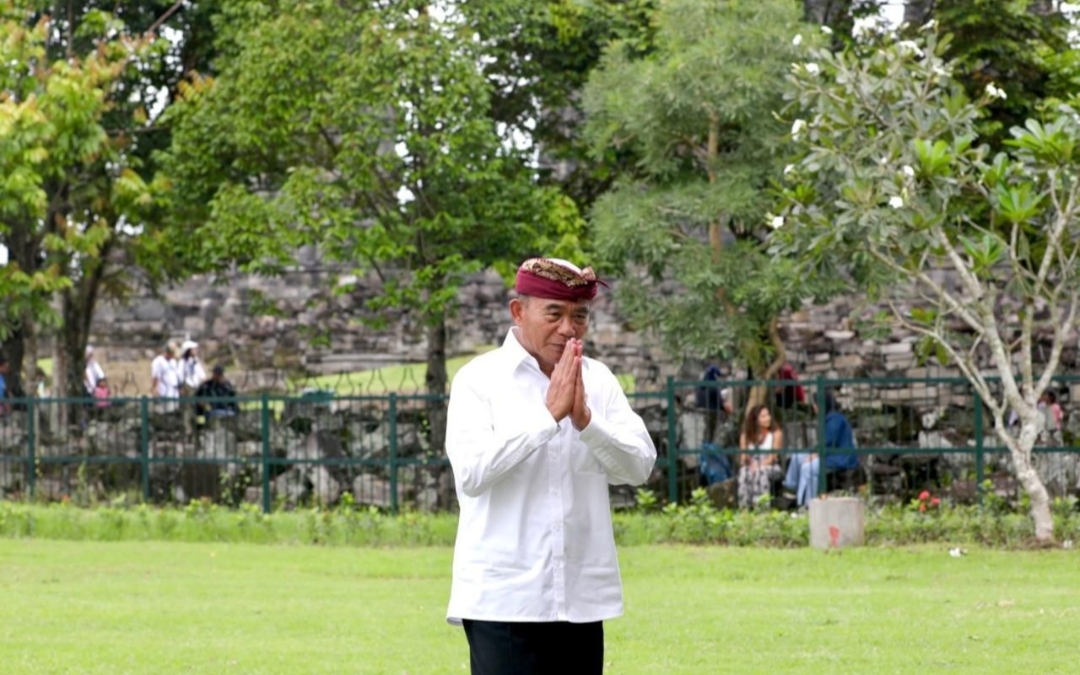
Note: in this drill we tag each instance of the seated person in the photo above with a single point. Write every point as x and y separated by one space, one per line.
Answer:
217 388
802 473
757 471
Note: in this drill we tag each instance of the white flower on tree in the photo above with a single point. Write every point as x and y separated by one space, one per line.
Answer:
896 202
797 128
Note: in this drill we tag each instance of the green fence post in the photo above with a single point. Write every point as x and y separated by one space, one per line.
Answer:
393 454
265 430
979 444
31 472
672 442
144 445
823 481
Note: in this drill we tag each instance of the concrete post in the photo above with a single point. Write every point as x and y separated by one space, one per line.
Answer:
836 522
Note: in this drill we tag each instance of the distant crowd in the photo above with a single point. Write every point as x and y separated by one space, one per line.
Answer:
177 372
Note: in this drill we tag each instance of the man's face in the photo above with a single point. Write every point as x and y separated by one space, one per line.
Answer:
545 326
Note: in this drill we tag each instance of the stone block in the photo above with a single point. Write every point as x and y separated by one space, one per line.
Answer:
837 523
195 325
896 348
848 362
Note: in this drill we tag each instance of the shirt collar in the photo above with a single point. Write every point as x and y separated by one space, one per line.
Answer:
514 353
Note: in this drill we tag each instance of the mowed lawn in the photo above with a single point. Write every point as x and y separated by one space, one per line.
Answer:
148 608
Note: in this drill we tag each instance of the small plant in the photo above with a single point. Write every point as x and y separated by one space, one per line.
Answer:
646 500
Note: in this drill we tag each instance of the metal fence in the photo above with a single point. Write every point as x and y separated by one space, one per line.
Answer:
280 451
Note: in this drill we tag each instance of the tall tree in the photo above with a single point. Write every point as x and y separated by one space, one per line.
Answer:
698 111
1013 43
369 137
538 56
76 210
894 186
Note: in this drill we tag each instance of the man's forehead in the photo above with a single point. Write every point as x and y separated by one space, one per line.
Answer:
563 305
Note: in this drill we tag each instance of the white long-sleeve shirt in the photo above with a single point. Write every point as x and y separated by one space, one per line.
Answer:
535 541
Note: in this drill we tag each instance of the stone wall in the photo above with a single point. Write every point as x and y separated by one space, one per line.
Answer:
224 316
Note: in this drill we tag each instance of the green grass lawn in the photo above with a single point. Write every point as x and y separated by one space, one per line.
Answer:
173 608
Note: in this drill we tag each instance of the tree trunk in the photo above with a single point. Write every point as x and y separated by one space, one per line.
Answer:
73 338
1020 451
833 13
436 381
918 12
14 348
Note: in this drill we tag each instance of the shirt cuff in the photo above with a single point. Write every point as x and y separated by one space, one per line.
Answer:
596 434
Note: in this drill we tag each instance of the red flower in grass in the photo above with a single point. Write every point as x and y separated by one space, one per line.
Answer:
935 502
922 507
924 495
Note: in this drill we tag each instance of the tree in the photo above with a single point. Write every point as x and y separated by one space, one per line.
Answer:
698 111
894 185
1013 43
538 56
74 197
369 137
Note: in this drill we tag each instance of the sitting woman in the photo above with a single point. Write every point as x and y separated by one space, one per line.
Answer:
802 475
758 469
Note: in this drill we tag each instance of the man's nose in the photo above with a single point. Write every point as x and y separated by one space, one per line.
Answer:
567 328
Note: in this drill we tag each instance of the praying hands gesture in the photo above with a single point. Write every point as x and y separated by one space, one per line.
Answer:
566 393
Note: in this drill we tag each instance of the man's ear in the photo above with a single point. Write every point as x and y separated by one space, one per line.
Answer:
517 309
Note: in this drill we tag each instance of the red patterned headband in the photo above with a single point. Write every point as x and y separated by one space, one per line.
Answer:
556 279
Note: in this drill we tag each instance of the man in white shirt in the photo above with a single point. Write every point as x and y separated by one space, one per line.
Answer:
93 373
536 432
165 377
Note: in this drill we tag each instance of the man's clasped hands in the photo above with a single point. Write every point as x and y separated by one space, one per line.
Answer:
566 393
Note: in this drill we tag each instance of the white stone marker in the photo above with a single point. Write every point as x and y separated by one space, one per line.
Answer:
836 522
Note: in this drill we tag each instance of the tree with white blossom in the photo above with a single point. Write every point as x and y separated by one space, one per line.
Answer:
687 224
892 187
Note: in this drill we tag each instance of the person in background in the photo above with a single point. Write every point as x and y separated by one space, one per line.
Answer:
217 387
789 396
758 470
4 406
802 473
41 383
165 376
715 467
192 373
93 372
101 393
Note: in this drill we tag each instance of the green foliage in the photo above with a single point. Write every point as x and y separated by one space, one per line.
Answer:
370 138
1026 53
892 183
698 522
688 224
548 49
77 198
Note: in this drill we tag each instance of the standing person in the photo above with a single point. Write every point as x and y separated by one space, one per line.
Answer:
4 407
192 373
165 376
758 470
93 372
535 434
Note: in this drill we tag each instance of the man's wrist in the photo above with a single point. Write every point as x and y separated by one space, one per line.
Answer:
583 423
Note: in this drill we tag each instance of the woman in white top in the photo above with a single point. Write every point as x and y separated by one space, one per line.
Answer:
757 469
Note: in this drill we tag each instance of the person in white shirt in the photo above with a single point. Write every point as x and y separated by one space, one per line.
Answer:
192 373
535 434
93 373
165 376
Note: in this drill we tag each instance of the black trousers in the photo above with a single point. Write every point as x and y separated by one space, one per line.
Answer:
560 648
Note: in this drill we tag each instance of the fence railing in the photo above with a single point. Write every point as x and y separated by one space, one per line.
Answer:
274 450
